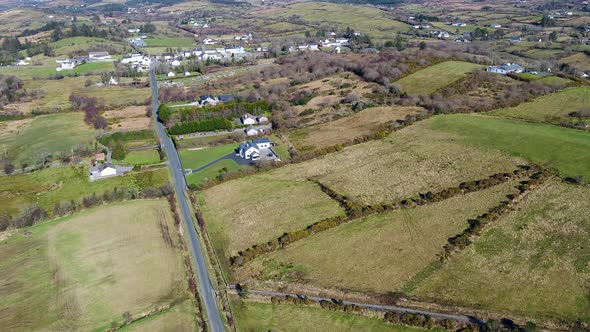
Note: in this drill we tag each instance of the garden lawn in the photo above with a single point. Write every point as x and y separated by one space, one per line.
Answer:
566 150
381 251
533 262
211 172
47 134
192 159
551 108
142 157
174 42
83 272
428 80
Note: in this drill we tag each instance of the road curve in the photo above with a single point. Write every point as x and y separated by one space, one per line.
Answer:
205 286
378 307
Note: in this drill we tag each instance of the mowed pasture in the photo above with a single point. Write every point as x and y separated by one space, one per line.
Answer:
410 161
27 141
260 316
428 80
551 108
563 149
381 251
533 262
247 211
84 272
62 184
348 128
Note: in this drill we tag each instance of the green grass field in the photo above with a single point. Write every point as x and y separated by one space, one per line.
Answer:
366 19
192 159
563 149
142 157
83 272
428 80
534 262
380 252
54 185
256 316
80 44
90 67
174 42
247 211
212 171
48 134
551 108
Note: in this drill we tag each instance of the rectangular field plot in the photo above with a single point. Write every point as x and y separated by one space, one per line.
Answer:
84 272
533 262
427 81
377 253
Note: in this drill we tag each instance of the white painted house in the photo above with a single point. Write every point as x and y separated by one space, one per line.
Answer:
99 56
251 131
171 74
251 149
507 68
248 119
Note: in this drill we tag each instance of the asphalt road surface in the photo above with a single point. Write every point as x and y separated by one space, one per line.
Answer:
205 286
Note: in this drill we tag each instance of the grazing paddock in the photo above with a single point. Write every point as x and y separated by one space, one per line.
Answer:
563 149
533 262
413 160
259 316
61 184
381 251
347 128
211 172
175 42
28 141
428 80
142 157
247 211
551 108
83 272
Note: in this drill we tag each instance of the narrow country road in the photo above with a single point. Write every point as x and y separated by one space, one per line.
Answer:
378 307
206 289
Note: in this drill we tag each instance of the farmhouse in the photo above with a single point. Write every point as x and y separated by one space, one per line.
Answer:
138 42
170 74
507 68
251 131
106 170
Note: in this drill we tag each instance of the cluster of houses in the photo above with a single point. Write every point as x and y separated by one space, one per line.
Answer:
69 64
251 120
139 62
335 45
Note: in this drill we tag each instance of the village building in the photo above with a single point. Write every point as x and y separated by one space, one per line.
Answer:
507 68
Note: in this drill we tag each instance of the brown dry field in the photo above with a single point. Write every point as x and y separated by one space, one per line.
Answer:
348 128
36 37
533 262
24 108
412 160
259 208
9 128
131 118
377 253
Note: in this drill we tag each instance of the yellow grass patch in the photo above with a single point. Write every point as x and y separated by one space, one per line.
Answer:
131 118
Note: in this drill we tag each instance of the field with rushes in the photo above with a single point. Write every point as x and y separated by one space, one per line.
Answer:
243 212
533 262
91 270
62 184
380 251
412 160
552 108
428 80
346 129
263 316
